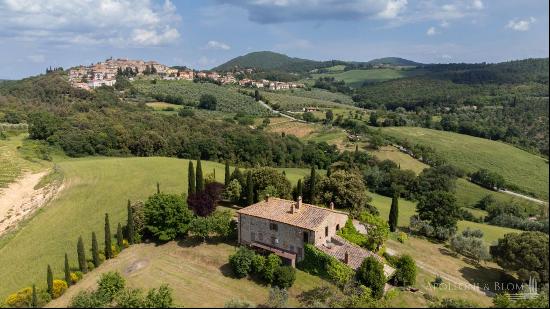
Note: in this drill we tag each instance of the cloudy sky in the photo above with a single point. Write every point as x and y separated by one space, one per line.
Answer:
35 34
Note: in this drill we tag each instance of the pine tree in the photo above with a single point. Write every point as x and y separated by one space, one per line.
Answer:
67 270
82 265
249 189
95 251
49 279
227 173
130 224
108 248
312 185
119 236
200 180
191 179
394 213
299 189
34 303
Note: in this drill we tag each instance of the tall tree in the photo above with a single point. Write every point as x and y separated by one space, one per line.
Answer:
227 173
34 301
130 224
200 180
49 279
191 189
81 256
329 171
108 248
299 188
67 271
158 187
95 251
394 212
249 189
119 236
312 186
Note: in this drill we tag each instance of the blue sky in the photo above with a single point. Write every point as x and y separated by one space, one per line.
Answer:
35 34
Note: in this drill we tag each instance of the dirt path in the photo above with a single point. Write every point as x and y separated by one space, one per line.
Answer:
20 199
532 199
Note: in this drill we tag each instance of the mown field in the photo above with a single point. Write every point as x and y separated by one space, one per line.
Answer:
356 78
289 102
520 168
94 186
198 273
14 163
320 94
229 100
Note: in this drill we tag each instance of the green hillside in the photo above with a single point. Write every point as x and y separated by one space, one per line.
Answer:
396 61
524 170
266 60
356 78
93 186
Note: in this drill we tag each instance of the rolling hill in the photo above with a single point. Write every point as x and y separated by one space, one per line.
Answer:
395 61
266 60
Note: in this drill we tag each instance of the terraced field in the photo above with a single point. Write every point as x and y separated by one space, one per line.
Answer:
189 93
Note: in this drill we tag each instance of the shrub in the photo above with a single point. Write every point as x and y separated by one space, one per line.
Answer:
91 265
278 298
437 281
241 262
405 271
59 287
76 276
125 243
87 299
272 263
339 273
258 264
402 237
237 303
371 274
20 299
321 264
284 277
167 216
109 284
350 233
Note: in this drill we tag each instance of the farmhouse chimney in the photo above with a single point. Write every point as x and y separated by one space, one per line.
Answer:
331 205
346 258
299 203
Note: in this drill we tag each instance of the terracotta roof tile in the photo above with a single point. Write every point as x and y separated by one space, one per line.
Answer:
279 210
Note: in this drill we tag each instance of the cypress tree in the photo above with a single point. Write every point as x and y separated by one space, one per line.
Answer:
81 256
34 302
119 236
49 279
328 171
130 224
249 189
158 187
67 271
312 185
394 213
299 189
95 251
200 180
108 248
191 179
227 173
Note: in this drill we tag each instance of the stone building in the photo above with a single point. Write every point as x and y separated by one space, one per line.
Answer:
284 227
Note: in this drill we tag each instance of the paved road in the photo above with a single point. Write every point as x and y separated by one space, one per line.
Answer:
279 113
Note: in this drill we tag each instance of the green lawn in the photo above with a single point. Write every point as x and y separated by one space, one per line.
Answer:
94 186
408 209
16 159
520 168
355 78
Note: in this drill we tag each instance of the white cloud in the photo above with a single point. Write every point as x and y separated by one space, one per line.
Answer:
520 24
477 4
116 22
431 31
217 45
393 9
37 58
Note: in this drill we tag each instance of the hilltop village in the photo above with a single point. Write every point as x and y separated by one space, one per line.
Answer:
105 74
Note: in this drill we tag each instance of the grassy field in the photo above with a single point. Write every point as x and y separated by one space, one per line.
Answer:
355 78
520 168
320 94
15 160
198 273
94 186
161 106
289 102
404 160
299 129
407 209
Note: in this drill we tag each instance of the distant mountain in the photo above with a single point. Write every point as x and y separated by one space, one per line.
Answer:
394 61
271 61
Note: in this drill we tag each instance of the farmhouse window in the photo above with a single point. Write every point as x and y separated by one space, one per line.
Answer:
273 226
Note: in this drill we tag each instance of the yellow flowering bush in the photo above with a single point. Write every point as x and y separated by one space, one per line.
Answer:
125 243
402 237
20 299
75 277
59 287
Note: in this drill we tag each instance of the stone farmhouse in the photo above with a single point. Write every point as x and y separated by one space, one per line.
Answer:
284 227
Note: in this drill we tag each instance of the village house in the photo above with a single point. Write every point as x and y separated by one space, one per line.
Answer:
284 227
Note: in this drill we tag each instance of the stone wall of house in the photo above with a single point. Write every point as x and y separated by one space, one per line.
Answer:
330 226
